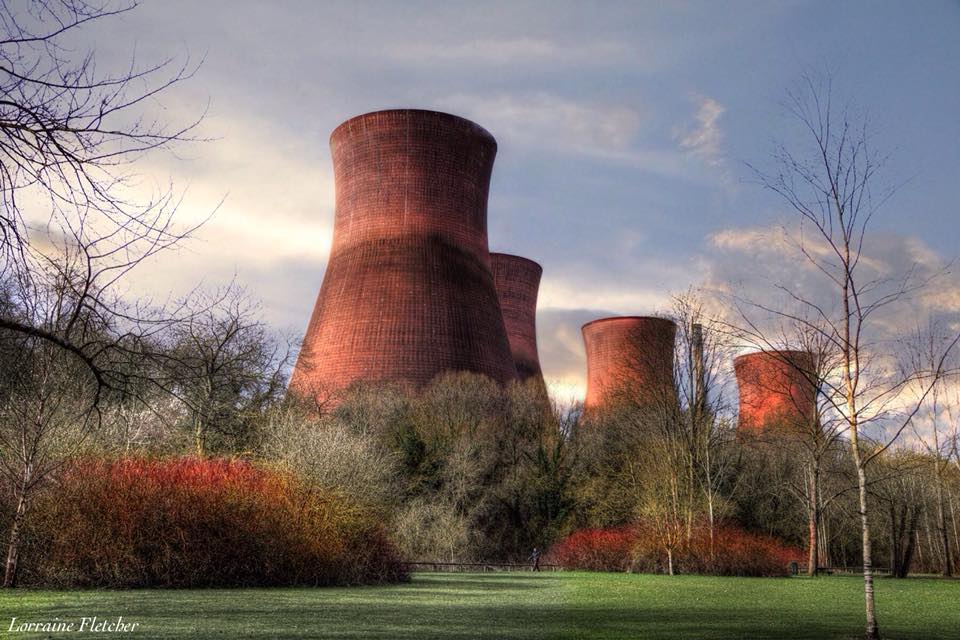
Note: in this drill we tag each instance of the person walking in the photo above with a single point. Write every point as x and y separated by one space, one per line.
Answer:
535 557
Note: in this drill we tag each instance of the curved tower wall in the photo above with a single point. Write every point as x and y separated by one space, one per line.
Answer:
517 281
631 357
776 390
408 292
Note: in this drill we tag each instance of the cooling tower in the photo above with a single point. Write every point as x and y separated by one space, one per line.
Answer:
776 390
629 358
517 281
408 292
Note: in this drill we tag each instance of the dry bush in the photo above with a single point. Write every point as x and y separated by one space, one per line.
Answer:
432 530
333 457
199 523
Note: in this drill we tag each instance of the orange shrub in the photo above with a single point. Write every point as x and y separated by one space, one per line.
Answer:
637 548
199 523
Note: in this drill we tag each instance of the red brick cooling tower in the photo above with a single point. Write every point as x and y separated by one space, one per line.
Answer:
777 390
517 281
408 292
629 358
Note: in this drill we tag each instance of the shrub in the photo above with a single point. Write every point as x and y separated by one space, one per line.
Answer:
430 528
595 550
199 523
637 548
334 457
739 553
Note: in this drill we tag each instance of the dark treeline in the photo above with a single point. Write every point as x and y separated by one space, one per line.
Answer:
466 470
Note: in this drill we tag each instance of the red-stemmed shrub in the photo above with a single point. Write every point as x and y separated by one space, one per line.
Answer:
595 550
199 523
638 548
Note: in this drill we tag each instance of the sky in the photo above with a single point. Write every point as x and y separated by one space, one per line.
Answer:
624 133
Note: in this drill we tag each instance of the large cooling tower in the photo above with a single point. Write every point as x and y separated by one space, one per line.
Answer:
629 358
777 390
517 281
408 292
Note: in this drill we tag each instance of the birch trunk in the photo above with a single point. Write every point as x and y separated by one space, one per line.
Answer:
942 523
872 630
813 520
13 545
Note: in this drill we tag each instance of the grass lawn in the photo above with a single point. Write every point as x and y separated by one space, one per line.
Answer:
515 605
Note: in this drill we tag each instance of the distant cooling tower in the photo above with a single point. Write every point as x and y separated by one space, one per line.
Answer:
408 291
776 390
629 357
517 281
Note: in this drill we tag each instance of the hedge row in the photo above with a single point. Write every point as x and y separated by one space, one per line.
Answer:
198 523
639 548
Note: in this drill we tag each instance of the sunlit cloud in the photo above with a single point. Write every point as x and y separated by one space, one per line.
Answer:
749 267
266 201
567 392
560 346
639 299
704 140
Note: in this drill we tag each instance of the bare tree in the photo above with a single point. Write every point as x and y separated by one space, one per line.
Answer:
805 442
71 206
333 456
897 485
667 447
703 352
664 498
42 423
832 186
74 223
50 402
226 365
926 349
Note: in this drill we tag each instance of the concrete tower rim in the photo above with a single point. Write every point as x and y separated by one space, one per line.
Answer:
480 131
784 353
514 256
615 318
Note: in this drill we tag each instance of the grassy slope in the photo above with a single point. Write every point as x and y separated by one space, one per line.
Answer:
558 605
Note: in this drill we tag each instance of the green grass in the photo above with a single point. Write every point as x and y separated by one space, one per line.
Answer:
516 605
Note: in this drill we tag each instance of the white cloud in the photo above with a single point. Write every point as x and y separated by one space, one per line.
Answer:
273 228
642 298
704 140
546 120
614 133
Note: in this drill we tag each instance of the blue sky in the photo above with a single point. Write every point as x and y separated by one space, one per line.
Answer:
623 129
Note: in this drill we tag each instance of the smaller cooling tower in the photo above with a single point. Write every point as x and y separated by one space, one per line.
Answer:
777 390
629 358
517 280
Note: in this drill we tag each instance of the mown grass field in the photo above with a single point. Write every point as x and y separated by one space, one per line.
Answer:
516 605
